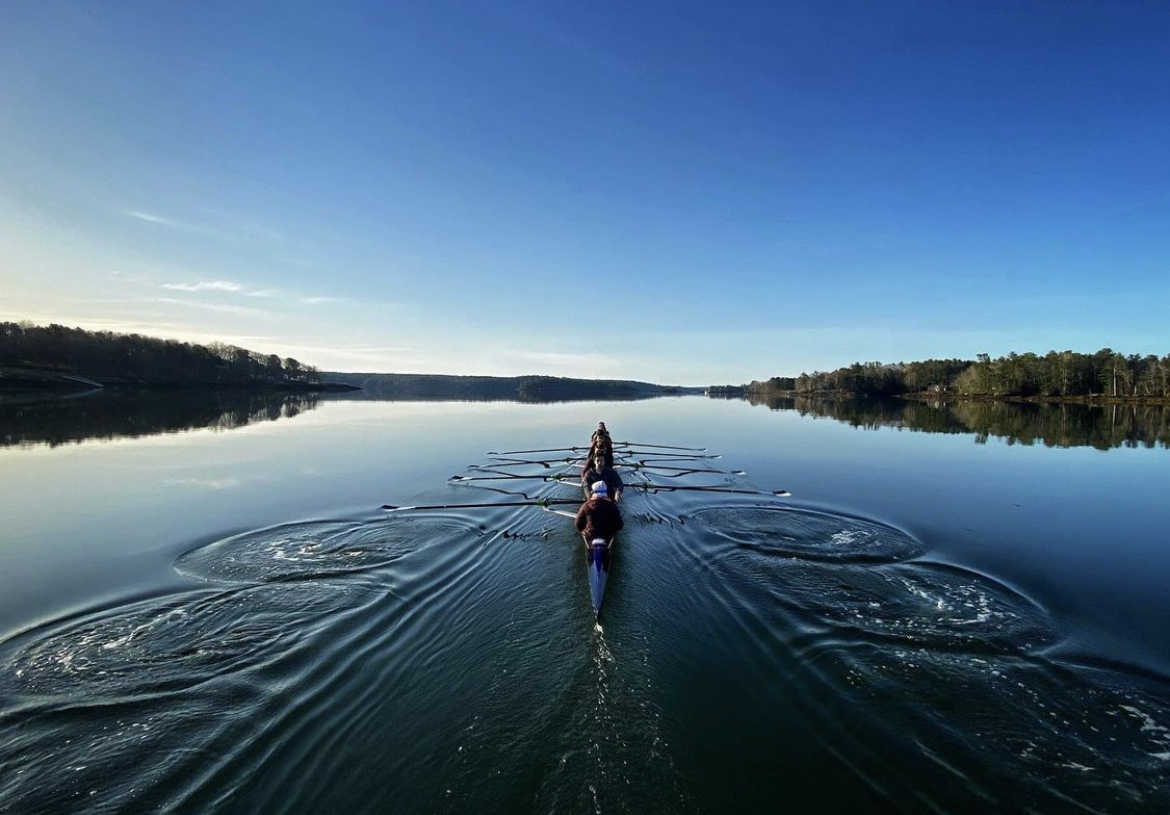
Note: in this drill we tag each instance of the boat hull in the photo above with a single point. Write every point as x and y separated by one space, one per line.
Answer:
597 559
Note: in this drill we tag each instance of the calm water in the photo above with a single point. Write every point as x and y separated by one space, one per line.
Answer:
954 612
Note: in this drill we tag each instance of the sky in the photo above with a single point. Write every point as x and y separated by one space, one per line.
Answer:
678 192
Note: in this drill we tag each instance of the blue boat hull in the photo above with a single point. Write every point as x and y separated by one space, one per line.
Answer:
597 560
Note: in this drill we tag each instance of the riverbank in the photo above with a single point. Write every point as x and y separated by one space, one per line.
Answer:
35 380
944 396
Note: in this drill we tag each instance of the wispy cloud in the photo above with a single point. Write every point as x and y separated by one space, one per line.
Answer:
234 229
215 290
206 285
218 307
232 287
204 483
156 219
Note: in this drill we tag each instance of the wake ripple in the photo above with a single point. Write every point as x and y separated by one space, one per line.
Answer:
100 711
165 645
806 534
1031 735
317 549
923 604
173 702
944 673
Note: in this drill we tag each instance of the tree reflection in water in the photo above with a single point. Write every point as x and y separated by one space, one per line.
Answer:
38 420
1053 425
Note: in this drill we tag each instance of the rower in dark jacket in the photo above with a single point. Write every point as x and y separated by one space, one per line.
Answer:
599 517
598 471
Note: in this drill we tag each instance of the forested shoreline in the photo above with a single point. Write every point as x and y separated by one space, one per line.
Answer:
1058 375
1067 424
58 359
491 388
55 356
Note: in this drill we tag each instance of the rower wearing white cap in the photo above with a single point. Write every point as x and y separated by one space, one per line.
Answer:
599 517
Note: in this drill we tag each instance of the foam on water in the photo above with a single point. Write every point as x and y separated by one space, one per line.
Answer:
805 534
163 644
1026 730
936 660
316 549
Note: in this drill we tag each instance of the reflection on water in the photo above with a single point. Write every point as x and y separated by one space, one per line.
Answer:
107 415
940 685
754 650
1053 425
115 414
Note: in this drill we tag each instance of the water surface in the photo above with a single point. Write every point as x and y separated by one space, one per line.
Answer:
222 619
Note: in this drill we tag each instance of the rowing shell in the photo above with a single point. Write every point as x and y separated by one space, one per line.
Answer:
597 556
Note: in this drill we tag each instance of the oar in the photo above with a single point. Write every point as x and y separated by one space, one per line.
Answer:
563 512
514 463
467 479
661 446
545 462
566 478
667 457
517 462
667 488
546 450
537 502
679 471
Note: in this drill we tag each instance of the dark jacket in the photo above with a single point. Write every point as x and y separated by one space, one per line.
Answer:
613 481
600 444
599 518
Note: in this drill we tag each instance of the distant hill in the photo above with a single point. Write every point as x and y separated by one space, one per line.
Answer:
478 388
56 357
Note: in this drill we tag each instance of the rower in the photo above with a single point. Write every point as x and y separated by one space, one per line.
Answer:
599 517
601 442
596 470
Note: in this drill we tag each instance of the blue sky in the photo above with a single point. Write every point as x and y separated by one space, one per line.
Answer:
681 192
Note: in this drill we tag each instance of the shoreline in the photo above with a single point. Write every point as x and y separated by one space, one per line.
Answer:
1091 400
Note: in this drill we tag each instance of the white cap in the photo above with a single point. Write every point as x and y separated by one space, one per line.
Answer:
599 488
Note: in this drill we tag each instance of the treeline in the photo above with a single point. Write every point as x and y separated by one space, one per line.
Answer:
777 384
499 388
1103 426
1057 374
131 359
